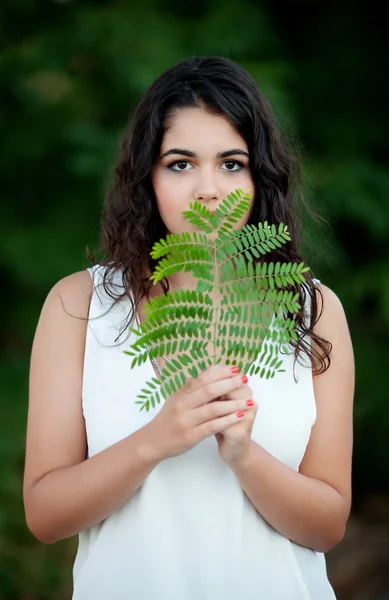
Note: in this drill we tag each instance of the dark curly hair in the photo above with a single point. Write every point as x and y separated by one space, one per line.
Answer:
131 222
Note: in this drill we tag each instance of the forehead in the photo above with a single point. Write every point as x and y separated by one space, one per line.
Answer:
192 126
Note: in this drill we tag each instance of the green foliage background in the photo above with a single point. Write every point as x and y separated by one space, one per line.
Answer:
70 74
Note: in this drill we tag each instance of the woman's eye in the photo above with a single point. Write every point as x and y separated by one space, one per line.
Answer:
179 164
232 163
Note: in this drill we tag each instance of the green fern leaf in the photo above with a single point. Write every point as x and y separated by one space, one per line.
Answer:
252 294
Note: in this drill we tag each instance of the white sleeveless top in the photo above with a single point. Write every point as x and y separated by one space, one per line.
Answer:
189 532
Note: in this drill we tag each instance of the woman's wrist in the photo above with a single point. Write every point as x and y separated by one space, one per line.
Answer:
149 447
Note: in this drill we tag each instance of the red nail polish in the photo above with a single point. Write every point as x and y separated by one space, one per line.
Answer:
244 379
250 403
240 414
235 370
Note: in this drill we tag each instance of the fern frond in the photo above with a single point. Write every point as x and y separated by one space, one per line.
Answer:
229 211
178 243
255 317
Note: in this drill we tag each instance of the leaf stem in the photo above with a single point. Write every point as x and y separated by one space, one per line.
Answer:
216 308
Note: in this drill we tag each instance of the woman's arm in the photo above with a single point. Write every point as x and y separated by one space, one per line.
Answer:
311 507
63 492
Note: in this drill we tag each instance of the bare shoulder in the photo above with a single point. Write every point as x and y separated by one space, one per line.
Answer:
329 305
74 292
331 322
65 310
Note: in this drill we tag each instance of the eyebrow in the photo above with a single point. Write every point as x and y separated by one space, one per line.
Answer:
190 154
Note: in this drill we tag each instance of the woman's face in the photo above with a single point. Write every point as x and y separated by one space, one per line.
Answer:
202 157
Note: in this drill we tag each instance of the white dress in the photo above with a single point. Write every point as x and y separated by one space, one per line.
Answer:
189 532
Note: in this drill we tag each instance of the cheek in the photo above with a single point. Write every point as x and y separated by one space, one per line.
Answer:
245 183
167 203
165 198
162 194
168 190
248 182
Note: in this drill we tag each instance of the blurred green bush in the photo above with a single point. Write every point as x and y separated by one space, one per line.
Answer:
70 74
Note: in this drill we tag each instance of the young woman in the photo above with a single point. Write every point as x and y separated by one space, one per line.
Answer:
196 499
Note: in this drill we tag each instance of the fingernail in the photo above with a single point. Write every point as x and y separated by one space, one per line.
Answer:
250 403
240 414
244 379
235 370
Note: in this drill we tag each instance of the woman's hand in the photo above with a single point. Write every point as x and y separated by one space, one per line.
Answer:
191 414
234 441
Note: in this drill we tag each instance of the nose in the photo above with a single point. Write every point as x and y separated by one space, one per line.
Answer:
207 189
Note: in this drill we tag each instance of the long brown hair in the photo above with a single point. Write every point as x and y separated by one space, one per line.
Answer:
131 222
